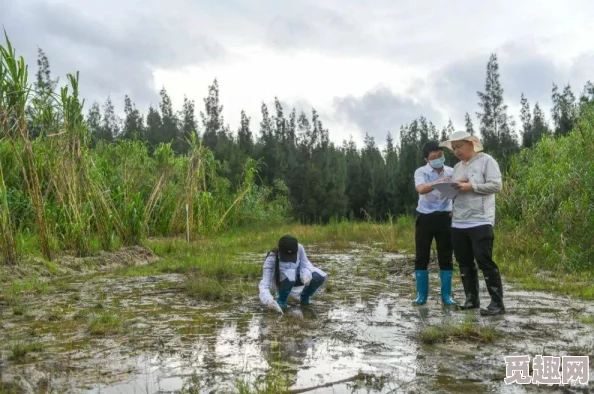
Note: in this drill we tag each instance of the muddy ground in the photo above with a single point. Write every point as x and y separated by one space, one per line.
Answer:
105 334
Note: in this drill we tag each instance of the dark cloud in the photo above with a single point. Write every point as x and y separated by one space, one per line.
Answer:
453 90
381 110
522 69
117 46
113 57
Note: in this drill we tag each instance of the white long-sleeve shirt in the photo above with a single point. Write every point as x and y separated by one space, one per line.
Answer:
288 270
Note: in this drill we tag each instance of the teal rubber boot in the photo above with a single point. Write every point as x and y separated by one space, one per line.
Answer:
316 282
446 287
281 300
422 277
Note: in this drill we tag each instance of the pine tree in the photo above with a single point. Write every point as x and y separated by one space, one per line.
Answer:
564 110
526 118
410 159
94 122
292 128
133 124
44 82
110 126
496 126
284 152
445 134
539 125
212 118
42 115
279 121
447 131
153 127
469 125
353 178
393 195
373 183
169 127
267 146
587 96
245 139
188 126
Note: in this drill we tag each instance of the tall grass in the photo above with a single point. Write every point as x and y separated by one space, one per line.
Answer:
65 196
548 200
14 95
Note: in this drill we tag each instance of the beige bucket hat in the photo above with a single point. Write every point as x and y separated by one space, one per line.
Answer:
463 135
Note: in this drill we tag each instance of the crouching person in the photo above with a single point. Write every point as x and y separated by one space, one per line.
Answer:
287 271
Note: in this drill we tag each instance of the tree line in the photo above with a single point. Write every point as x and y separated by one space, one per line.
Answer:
322 180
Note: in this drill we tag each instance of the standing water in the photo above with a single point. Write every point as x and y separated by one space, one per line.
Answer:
147 336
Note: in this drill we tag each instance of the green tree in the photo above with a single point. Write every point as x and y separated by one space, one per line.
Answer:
110 125
468 123
169 122
393 194
267 147
564 110
353 190
587 96
153 127
94 122
42 114
133 123
212 117
540 125
496 126
526 118
188 125
245 139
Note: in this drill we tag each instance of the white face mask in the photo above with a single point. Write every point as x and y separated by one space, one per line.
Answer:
437 163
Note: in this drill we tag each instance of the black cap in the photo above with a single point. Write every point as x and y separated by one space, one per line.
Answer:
287 249
430 147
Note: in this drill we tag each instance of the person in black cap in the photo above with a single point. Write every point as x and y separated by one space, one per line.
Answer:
288 271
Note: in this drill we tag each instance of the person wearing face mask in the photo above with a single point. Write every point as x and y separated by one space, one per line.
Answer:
288 271
479 180
433 221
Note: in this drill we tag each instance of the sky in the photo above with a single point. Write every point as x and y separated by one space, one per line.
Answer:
366 67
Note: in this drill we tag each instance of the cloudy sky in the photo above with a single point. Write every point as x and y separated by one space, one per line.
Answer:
365 68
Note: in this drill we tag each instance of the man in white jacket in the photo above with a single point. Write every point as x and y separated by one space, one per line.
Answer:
473 217
288 271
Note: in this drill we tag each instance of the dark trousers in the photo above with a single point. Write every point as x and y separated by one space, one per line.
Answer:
475 243
427 227
286 285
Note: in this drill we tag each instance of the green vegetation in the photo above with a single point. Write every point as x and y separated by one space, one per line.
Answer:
105 324
20 349
468 331
549 199
586 319
71 184
62 195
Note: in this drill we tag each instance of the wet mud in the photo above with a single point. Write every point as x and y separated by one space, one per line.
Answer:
105 334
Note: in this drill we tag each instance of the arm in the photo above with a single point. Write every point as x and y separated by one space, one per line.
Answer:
424 188
493 182
305 266
267 278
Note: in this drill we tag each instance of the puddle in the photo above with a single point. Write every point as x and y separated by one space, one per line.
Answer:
363 322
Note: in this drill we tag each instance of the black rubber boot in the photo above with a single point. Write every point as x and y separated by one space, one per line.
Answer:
470 282
495 288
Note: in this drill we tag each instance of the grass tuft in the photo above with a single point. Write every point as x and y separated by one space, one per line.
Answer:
19 350
105 324
207 289
467 331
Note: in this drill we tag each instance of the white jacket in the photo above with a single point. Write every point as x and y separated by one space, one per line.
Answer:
287 270
478 205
